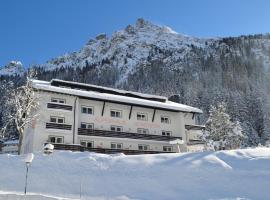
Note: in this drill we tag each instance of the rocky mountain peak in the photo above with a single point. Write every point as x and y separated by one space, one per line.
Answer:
12 68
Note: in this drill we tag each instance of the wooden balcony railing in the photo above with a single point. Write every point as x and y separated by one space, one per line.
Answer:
58 126
104 133
59 106
73 147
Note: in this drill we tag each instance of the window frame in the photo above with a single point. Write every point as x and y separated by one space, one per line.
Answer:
141 114
165 148
116 145
116 127
56 137
87 110
143 147
116 111
164 121
166 133
142 129
87 142
57 119
87 124
57 100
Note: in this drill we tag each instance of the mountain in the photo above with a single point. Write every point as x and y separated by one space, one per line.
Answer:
196 71
13 68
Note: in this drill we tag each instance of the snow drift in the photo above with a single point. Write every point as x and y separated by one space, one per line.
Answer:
238 174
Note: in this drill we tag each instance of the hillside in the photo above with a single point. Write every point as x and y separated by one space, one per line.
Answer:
226 175
199 72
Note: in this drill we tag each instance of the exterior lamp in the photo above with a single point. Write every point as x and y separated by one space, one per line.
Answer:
178 142
28 160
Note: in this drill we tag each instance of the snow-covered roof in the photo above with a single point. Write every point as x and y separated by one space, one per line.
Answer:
117 98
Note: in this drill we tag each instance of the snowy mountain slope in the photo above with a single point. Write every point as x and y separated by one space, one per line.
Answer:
12 68
234 175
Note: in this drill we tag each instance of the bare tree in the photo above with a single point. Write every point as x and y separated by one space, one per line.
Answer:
23 104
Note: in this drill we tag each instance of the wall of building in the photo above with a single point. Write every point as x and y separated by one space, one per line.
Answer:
37 130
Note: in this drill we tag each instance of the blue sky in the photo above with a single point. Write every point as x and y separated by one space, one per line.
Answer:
34 31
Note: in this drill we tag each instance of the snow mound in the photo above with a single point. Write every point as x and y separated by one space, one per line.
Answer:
225 175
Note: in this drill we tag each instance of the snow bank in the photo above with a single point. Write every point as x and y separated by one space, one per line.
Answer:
234 175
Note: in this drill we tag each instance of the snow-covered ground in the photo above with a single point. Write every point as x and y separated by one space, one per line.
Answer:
224 175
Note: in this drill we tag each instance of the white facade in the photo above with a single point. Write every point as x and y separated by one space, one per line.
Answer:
108 119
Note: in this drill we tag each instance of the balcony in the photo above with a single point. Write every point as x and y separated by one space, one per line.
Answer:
194 127
59 106
103 133
76 147
58 126
195 142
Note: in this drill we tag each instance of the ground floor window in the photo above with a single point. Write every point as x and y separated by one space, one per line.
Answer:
116 146
56 139
87 125
143 147
88 144
167 148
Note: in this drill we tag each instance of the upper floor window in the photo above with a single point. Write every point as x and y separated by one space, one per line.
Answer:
143 147
142 131
116 145
58 100
116 113
59 120
166 133
117 128
165 119
87 125
88 144
142 116
87 110
56 139
167 148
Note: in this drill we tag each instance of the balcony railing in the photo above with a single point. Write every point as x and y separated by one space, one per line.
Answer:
59 106
195 142
104 133
76 147
194 127
58 126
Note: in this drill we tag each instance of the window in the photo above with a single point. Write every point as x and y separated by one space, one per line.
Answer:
59 120
165 120
87 125
87 110
56 139
142 131
116 145
167 148
142 116
88 144
166 133
116 113
57 100
143 147
117 128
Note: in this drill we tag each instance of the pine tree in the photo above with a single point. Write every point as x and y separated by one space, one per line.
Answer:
221 132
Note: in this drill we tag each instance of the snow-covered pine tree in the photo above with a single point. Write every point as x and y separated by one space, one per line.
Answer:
21 106
221 132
